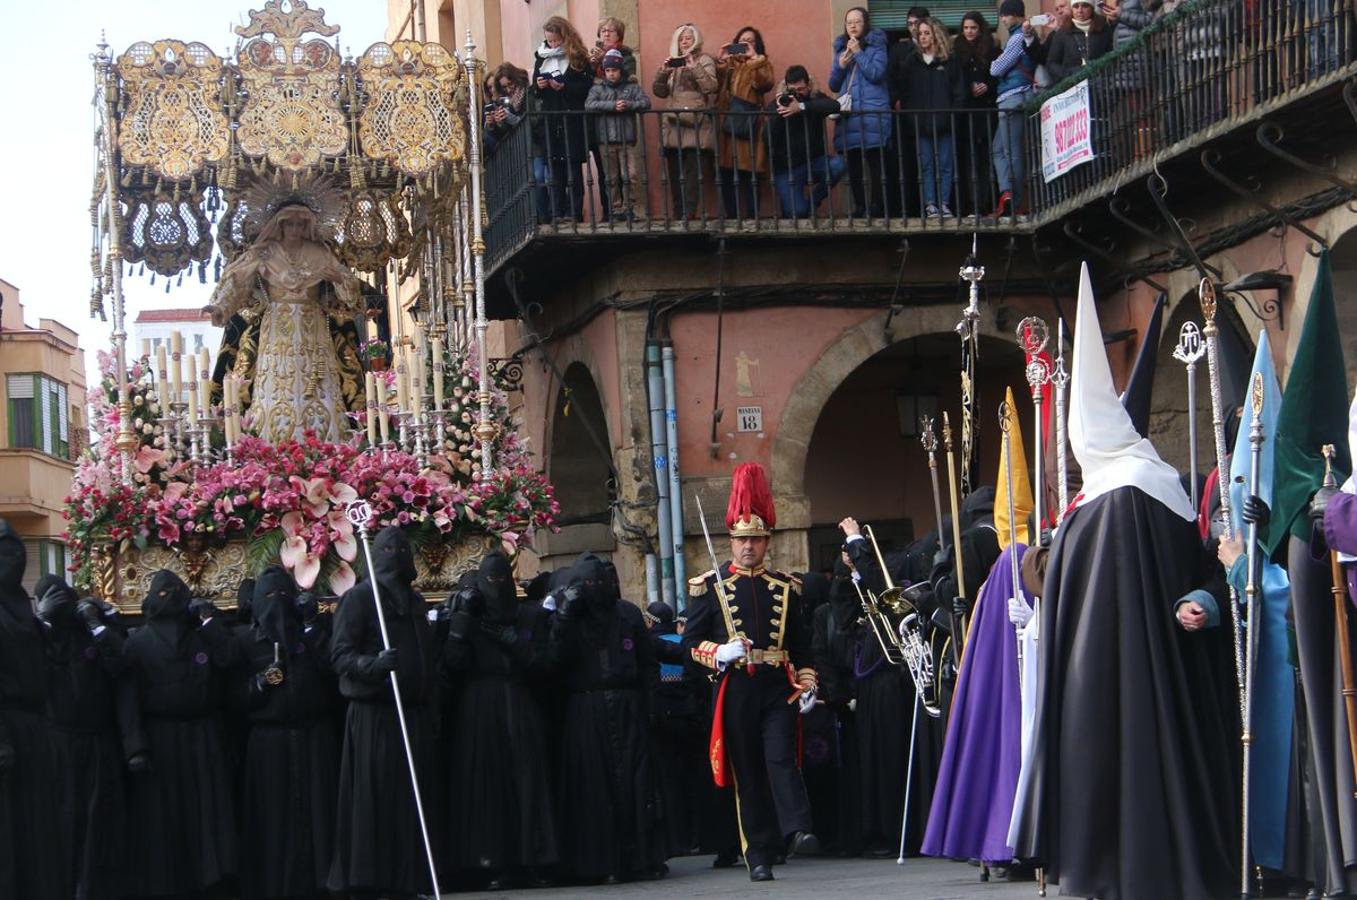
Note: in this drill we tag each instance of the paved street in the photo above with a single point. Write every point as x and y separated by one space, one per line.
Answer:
918 879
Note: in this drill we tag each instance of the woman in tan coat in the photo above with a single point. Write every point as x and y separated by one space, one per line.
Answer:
746 78
689 81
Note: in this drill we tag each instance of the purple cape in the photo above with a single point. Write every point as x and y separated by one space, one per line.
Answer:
973 799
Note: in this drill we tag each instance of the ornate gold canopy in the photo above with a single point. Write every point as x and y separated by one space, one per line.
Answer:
202 141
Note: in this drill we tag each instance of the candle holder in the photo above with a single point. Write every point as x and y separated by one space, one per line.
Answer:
177 421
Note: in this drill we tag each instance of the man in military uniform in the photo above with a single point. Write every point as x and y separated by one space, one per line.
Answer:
745 626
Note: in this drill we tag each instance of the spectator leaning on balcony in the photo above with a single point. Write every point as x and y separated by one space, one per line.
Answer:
1084 39
858 75
796 144
688 81
934 86
975 52
617 101
746 78
1015 69
505 99
561 82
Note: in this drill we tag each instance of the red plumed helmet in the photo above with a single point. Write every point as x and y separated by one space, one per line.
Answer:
750 511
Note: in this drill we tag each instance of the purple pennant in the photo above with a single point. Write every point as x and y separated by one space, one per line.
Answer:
200 658
627 645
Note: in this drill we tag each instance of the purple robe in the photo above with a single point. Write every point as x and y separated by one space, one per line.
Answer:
973 800
1340 531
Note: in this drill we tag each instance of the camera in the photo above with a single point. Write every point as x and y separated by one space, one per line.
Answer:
785 98
676 62
1040 21
735 49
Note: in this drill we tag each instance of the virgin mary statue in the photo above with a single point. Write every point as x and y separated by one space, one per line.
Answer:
290 303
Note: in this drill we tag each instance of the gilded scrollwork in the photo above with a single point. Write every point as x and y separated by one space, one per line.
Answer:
292 117
413 117
174 123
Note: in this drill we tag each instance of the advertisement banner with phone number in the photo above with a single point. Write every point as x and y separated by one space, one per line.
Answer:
1066 139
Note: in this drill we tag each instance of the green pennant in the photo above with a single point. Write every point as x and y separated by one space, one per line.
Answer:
1314 413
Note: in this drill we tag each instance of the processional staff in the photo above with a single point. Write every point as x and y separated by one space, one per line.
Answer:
1188 352
1033 335
1005 427
930 445
956 516
968 329
1340 619
360 514
1061 379
1251 596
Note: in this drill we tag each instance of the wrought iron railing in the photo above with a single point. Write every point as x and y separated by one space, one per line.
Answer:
1208 66
1205 67
663 171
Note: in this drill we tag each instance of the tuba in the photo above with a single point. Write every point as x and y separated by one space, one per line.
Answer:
901 644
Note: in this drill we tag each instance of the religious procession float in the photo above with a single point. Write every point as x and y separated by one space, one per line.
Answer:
335 204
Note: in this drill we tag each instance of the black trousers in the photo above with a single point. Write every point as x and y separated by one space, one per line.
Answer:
760 735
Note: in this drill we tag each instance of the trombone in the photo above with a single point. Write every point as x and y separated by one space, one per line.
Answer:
901 644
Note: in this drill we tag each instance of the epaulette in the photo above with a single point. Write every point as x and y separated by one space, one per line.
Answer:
697 585
779 579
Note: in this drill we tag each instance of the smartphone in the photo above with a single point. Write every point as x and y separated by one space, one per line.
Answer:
735 49
598 45
1040 21
676 62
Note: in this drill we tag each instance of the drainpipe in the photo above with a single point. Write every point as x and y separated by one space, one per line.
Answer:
652 579
655 388
675 492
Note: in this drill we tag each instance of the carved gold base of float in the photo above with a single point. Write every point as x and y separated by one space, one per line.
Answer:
214 570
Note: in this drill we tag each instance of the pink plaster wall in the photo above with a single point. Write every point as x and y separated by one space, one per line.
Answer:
785 342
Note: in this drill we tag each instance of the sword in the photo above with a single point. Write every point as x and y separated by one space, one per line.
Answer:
1060 378
720 586
956 518
1004 427
1188 352
360 514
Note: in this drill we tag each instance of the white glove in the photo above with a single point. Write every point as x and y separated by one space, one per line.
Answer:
729 652
806 701
1019 611
549 603
853 705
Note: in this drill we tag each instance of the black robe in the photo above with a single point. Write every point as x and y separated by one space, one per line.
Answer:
378 846
829 762
87 756
32 861
1133 790
608 810
500 813
291 754
677 762
182 828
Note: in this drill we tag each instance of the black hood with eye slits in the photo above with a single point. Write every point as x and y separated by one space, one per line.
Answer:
495 581
277 618
167 599
13 561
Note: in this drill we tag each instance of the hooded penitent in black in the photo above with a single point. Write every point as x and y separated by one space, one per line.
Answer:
679 765
609 816
378 847
83 673
182 828
501 822
291 750
32 860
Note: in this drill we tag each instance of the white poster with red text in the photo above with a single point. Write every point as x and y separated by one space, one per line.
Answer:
1065 132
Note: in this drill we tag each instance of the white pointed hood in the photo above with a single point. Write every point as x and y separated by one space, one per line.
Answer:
1110 451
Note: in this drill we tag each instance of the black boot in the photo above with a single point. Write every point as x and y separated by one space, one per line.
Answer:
761 873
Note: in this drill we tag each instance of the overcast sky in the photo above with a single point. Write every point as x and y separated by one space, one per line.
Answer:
46 152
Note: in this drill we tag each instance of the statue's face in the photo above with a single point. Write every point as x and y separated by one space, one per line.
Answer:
294 230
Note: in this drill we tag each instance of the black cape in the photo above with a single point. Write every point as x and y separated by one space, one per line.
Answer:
378 846
291 759
182 829
1134 788
609 814
83 671
32 862
499 796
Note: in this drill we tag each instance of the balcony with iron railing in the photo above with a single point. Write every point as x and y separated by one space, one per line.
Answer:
1207 70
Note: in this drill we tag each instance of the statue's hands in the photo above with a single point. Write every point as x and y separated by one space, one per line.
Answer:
216 314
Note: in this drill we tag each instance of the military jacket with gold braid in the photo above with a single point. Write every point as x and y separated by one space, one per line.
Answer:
762 605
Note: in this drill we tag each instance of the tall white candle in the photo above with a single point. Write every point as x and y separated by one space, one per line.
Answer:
370 382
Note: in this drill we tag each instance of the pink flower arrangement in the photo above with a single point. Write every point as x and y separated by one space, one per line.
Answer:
294 494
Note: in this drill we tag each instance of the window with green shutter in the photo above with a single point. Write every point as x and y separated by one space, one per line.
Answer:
37 413
891 15
52 558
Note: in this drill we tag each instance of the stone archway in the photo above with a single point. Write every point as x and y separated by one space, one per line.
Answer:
791 444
